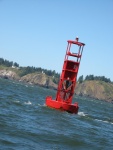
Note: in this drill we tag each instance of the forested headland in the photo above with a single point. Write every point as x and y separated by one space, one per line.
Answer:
22 71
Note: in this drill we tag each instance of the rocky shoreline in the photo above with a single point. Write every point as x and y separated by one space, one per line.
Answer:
39 79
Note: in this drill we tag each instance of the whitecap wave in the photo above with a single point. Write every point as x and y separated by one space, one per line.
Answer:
104 121
39 105
28 103
81 114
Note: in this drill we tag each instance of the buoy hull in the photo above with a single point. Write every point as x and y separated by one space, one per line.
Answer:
68 77
62 105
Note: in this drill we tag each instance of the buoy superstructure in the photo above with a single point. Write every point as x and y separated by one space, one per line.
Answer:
68 78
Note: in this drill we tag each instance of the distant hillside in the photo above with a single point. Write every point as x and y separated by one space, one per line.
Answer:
95 89
40 79
37 78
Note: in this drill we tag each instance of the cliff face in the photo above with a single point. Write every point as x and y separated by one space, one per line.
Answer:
39 79
95 89
8 74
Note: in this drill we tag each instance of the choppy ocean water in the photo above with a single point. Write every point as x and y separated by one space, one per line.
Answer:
27 124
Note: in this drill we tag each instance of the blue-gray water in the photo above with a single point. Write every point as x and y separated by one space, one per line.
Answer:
27 124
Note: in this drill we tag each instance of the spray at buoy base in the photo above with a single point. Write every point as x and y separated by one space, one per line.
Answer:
67 83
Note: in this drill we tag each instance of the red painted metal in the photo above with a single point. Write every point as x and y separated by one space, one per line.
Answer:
68 79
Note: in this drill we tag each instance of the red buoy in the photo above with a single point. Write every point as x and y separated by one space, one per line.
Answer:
67 83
